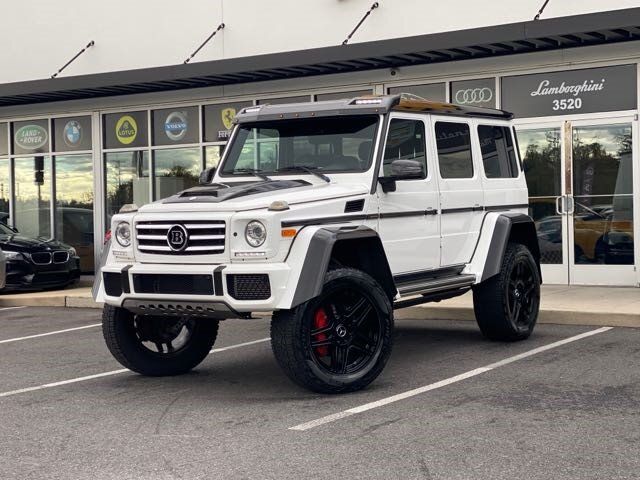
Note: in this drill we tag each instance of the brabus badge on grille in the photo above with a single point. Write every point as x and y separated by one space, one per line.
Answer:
177 238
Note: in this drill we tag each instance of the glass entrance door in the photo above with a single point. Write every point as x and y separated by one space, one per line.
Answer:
541 149
599 204
581 197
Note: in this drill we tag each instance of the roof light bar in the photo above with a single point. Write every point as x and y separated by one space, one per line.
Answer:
368 101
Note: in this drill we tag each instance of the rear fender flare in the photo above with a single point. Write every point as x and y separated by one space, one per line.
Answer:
498 230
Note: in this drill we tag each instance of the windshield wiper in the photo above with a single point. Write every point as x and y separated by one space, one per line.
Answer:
252 171
302 168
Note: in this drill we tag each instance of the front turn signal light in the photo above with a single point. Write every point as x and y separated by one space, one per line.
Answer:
289 232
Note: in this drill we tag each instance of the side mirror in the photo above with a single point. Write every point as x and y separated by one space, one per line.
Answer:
207 175
401 170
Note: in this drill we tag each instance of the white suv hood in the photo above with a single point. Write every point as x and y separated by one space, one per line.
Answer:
201 201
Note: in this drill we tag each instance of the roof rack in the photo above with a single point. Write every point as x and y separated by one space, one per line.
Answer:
362 105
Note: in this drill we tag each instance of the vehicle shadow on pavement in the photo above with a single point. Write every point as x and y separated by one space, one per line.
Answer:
252 374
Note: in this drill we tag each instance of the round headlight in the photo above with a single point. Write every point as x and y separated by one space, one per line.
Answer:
255 233
123 234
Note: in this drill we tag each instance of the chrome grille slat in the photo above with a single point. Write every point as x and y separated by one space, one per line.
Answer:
204 237
152 237
167 226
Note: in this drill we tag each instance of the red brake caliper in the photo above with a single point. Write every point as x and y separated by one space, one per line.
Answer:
320 320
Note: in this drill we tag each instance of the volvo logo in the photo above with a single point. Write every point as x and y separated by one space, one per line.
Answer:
473 95
175 126
177 238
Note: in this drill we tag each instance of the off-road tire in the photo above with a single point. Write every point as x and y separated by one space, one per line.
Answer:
120 336
291 340
491 298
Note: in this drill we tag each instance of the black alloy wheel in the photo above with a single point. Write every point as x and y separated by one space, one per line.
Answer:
507 304
164 335
340 340
157 345
346 332
521 290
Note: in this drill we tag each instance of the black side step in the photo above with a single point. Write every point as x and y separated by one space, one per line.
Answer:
453 282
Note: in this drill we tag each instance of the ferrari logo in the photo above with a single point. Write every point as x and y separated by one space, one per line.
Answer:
228 114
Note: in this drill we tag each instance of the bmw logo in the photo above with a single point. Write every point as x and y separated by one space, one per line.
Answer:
175 126
72 133
177 238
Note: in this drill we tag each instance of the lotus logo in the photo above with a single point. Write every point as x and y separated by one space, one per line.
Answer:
177 238
126 129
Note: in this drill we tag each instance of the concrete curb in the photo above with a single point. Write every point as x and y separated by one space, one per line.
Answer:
80 297
555 316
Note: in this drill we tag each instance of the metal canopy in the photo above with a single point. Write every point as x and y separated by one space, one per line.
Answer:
532 36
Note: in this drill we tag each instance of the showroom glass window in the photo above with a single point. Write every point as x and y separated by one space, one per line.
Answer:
30 147
217 126
176 161
5 179
74 195
126 160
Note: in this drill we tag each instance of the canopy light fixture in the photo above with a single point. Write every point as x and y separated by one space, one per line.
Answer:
371 9
544 5
220 27
89 45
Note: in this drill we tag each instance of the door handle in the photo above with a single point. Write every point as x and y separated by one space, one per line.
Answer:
571 205
559 200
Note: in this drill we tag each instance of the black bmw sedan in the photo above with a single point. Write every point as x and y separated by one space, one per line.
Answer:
35 264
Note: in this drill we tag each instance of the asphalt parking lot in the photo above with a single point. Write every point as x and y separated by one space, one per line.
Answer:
565 404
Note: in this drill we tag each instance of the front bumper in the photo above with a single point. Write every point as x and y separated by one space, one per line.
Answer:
24 275
151 288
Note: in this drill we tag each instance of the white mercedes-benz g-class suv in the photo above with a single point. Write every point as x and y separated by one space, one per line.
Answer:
330 215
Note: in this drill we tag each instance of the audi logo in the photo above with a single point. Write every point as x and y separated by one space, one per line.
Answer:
473 95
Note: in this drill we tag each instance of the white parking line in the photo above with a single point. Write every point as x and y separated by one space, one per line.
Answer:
442 383
10 308
114 372
55 332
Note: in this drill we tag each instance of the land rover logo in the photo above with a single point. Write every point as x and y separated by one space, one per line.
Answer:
72 133
228 114
126 129
177 238
31 137
175 126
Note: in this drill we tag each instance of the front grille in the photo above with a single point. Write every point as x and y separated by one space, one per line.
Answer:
41 258
60 257
204 237
173 284
249 286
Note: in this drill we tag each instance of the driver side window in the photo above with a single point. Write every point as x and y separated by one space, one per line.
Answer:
405 147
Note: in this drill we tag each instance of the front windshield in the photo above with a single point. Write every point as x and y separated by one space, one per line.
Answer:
330 144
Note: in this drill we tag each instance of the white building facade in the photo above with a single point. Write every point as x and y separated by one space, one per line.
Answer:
129 122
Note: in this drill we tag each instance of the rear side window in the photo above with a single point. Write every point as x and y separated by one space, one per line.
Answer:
405 146
498 152
454 150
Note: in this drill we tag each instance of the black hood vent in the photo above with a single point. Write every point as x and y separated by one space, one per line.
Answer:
219 192
354 206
